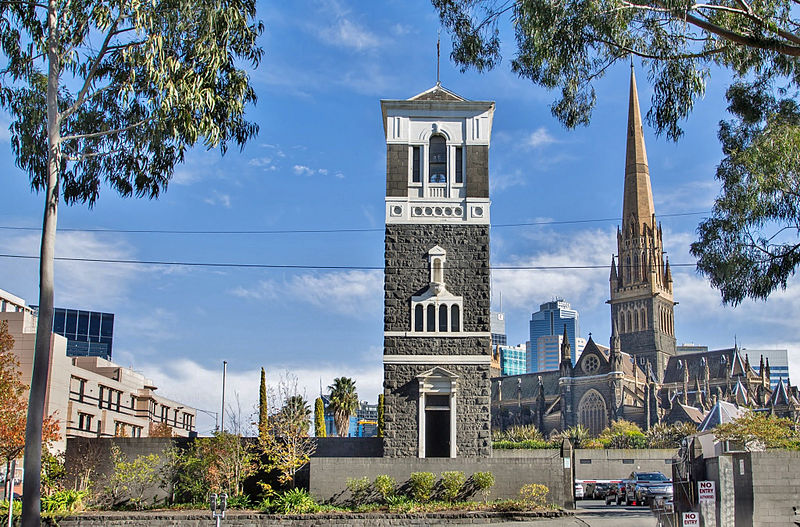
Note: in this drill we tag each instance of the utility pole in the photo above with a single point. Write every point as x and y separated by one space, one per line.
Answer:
222 415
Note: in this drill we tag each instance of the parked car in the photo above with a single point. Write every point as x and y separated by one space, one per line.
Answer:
644 487
616 493
600 490
578 491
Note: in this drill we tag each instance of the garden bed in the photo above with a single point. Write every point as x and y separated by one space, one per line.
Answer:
164 518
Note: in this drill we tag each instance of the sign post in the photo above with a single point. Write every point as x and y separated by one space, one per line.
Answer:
707 496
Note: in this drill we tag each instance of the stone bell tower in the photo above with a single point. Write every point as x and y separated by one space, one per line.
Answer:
437 340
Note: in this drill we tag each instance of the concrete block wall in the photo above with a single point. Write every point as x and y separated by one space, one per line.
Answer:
775 485
328 476
606 463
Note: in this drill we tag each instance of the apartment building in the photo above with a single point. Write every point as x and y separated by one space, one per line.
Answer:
91 396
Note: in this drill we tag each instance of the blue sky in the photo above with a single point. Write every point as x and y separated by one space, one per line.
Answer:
319 163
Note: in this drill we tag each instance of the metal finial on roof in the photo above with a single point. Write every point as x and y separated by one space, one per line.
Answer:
438 56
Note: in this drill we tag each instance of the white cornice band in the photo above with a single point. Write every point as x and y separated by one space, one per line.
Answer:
436 334
437 359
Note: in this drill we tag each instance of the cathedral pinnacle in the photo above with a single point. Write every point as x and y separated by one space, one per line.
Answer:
638 197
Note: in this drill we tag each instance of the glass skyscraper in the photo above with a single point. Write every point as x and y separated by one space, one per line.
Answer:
513 360
550 320
498 328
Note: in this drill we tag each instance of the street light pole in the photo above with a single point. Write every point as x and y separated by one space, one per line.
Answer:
222 415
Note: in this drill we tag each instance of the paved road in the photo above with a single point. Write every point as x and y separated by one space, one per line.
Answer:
594 513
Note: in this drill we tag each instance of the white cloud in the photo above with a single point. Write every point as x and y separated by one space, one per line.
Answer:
346 292
302 170
345 33
529 287
503 180
88 285
400 30
692 196
263 162
5 132
539 137
217 198
200 386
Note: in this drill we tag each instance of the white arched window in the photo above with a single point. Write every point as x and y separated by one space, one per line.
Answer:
437 160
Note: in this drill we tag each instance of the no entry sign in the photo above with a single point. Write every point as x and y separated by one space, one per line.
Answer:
706 492
691 519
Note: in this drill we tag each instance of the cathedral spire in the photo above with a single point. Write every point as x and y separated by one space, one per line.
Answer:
638 197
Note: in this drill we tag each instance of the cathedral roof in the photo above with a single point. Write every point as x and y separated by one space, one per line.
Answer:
526 385
722 412
437 93
695 415
719 363
638 197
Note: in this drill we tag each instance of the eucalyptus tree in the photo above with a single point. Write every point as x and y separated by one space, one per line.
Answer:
343 403
749 247
114 92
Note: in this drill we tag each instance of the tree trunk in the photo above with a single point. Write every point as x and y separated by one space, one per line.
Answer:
31 490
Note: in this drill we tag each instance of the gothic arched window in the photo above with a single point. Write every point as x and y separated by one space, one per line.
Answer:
431 318
628 322
636 267
443 318
644 266
628 269
643 319
455 318
592 412
437 166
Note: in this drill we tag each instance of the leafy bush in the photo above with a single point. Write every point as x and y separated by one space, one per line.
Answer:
623 434
422 484
576 434
484 481
240 501
531 444
130 479
758 430
64 501
519 433
385 485
534 494
663 435
360 489
399 503
452 484
295 501
4 509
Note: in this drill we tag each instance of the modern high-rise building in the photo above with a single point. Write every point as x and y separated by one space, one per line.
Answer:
497 324
548 357
88 333
550 321
778 364
513 359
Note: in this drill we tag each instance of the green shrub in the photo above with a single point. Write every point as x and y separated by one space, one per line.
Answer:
64 501
531 444
295 501
359 488
519 433
422 484
534 494
452 484
4 510
484 481
240 501
385 485
399 503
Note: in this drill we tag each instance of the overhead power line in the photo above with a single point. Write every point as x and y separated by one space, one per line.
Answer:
309 267
325 231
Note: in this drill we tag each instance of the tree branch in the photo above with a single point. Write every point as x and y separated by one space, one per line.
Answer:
106 133
643 55
90 76
22 2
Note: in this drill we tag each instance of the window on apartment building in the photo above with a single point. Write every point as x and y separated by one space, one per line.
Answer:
84 422
102 390
120 429
136 431
164 414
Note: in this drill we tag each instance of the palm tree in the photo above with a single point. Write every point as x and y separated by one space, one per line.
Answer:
297 412
343 403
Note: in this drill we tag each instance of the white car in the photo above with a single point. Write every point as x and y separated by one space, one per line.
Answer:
579 491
